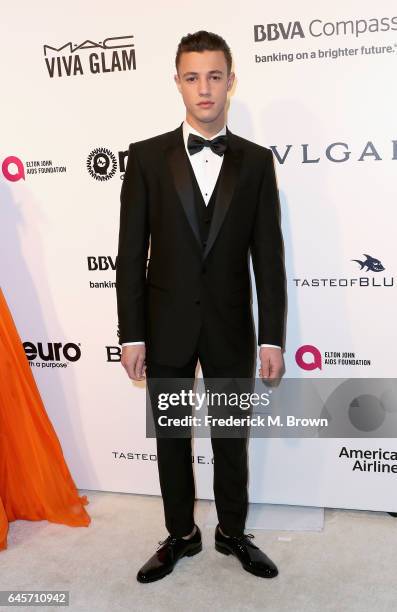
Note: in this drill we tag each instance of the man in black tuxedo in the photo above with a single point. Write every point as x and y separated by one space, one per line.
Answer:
204 198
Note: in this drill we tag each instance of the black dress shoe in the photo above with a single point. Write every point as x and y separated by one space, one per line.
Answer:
164 559
250 556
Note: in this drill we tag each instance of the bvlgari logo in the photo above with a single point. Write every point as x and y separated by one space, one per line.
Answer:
113 54
101 164
336 152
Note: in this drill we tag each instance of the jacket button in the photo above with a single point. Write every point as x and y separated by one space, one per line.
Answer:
197 302
204 270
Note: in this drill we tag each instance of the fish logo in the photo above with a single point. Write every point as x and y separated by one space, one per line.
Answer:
371 263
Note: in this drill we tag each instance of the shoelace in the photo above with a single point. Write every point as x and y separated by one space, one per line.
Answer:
242 539
168 540
245 535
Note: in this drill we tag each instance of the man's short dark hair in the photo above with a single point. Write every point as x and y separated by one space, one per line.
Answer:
204 41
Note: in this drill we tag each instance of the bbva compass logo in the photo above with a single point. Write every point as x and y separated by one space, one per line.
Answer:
102 164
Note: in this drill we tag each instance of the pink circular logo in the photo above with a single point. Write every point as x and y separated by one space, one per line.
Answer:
14 176
307 363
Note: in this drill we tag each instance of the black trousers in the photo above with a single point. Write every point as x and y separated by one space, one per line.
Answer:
174 455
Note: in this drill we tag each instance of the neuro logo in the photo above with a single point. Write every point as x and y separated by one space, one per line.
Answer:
371 263
101 164
8 171
312 364
52 354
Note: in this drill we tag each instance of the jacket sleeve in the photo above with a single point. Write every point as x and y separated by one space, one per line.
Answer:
267 253
132 252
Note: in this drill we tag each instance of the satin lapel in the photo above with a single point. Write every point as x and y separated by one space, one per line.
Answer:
227 184
178 163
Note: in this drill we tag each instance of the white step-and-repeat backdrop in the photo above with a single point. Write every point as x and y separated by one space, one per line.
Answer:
316 83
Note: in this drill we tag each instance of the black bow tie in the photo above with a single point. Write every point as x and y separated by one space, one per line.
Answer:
217 145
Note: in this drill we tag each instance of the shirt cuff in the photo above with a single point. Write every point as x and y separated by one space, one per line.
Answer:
132 343
272 345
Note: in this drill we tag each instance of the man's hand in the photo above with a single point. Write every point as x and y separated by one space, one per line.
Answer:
272 363
133 361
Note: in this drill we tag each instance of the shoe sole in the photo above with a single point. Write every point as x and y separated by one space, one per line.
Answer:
226 551
194 551
189 553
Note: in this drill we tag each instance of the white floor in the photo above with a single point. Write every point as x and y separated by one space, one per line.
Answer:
349 566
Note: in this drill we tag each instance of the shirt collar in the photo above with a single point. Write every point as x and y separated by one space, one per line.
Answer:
188 129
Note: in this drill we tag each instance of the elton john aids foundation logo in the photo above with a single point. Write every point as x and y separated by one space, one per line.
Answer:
308 357
13 169
101 164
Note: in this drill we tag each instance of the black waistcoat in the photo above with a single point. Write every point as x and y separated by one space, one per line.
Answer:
203 212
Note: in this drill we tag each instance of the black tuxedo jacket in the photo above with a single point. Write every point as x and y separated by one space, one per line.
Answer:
187 288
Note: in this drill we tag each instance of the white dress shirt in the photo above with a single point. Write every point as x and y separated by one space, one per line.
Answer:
206 167
205 163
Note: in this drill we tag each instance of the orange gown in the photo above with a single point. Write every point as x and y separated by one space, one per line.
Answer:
35 482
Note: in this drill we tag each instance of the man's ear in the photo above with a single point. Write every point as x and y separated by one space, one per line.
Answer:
230 81
178 82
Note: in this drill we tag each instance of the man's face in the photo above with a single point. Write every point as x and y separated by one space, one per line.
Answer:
203 81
